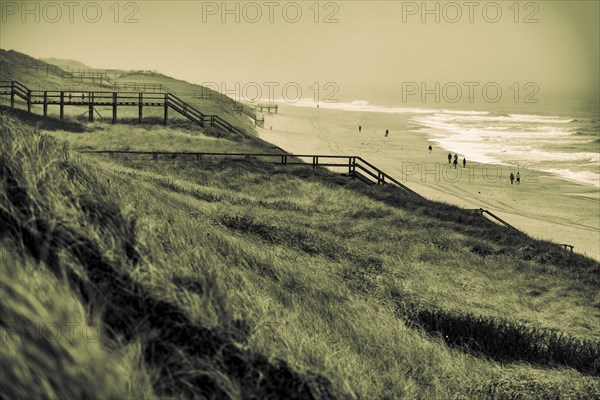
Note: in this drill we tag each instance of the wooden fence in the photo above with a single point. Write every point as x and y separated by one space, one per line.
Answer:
354 165
91 99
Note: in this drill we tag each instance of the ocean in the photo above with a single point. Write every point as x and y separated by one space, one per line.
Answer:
560 137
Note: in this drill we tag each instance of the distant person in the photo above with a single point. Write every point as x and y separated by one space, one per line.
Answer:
387 132
512 178
430 148
359 129
464 162
455 162
518 178
449 158
317 106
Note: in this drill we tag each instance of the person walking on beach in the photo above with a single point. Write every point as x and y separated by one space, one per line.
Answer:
455 162
387 132
359 129
512 178
430 148
449 158
464 162
518 178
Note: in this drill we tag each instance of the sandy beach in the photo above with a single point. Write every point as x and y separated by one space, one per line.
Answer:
544 205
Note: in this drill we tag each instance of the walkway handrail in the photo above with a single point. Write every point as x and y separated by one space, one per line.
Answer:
503 222
383 176
214 120
91 98
352 162
161 152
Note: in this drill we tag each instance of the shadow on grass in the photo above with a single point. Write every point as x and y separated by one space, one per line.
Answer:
46 123
503 340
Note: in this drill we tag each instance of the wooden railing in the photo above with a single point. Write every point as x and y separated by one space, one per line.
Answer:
483 212
91 99
140 87
39 67
93 75
243 109
133 86
186 110
268 107
494 216
369 173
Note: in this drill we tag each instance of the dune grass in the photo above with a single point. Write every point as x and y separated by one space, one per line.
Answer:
43 325
139 137
240 278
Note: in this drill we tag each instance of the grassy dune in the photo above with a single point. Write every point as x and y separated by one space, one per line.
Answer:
237 279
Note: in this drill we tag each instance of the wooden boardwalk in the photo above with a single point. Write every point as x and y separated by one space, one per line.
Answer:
101 77
168 101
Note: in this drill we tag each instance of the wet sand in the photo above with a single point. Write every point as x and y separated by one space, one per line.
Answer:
543 205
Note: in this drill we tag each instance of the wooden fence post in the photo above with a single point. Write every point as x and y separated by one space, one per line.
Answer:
166 104
140 106
114 110
45 103
91 107
28 100
12 95
62 105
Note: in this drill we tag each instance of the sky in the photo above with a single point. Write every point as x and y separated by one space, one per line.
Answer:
380 51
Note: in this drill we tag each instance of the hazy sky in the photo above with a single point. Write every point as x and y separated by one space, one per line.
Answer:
368 48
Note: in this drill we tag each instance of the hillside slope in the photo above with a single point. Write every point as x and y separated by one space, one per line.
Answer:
64 64
234 279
